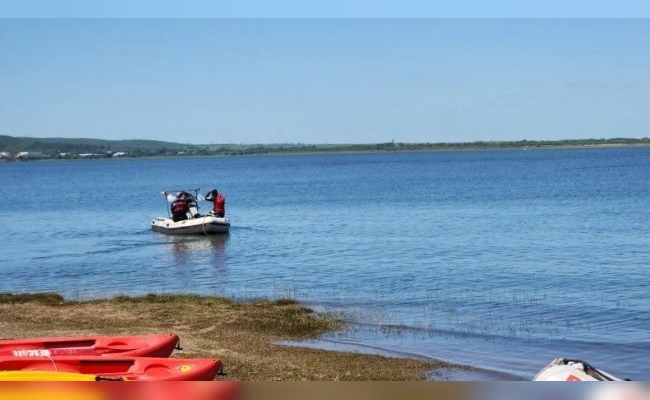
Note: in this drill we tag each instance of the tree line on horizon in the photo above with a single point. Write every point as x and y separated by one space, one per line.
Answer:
72 148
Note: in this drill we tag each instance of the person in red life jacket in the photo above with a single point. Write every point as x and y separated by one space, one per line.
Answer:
180 207
219 202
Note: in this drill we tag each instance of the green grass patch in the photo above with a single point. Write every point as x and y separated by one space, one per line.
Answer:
51 299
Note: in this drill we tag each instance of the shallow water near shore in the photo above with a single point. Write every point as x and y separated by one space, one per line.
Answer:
499 260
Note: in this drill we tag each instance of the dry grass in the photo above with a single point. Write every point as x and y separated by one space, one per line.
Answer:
241 335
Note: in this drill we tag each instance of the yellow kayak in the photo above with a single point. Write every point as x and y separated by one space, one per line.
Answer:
52 376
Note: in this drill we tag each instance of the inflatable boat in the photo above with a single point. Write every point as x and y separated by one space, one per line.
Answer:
133 346
190 222
197 224
564 369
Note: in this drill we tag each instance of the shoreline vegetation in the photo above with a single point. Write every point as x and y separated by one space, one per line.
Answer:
25 148
243 335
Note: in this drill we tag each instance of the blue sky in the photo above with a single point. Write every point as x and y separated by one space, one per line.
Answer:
326 9
323 80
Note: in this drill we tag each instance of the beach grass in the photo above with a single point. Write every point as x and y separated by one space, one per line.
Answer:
243 335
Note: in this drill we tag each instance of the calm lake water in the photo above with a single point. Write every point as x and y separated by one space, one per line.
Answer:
501 260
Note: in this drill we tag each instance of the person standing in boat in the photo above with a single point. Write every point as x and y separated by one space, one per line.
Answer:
180 207
218 201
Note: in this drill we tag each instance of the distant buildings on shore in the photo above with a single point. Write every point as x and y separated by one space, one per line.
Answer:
35 155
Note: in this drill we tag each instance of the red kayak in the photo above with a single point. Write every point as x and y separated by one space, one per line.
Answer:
132 346
114 368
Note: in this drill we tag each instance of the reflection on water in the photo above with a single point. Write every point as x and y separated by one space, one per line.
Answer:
192 264
210 249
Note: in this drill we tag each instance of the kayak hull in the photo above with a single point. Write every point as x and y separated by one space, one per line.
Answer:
131 346
47 376
111 368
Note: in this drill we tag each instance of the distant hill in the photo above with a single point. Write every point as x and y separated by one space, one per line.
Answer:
79 146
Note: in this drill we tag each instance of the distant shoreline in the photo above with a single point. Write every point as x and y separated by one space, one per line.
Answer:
50 150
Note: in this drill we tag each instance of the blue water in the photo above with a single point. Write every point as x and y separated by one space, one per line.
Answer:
501 260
